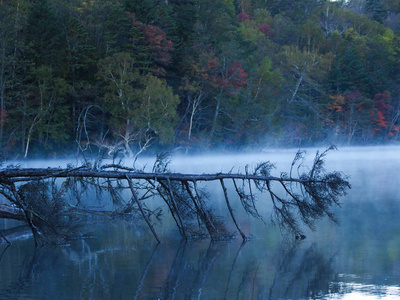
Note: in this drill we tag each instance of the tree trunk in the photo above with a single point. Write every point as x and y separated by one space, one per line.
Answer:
27 174
214 124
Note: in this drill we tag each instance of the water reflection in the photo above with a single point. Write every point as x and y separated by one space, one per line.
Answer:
123 266
360 259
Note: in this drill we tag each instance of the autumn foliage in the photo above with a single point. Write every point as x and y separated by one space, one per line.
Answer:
219 75
241 73
265 29
381 115
155 42
352 112
160 46
243 17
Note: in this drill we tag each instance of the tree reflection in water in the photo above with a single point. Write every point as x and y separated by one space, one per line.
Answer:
135 268
302 273
189 270
144 274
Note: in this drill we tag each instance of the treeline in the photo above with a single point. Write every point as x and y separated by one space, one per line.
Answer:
125 75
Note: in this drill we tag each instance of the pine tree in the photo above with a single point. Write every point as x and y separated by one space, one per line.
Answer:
44 36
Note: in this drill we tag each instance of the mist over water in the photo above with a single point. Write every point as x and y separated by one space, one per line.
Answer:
359 259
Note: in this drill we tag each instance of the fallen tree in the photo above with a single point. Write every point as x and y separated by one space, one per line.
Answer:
38 196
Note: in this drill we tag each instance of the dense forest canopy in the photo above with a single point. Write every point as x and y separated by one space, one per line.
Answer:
126 75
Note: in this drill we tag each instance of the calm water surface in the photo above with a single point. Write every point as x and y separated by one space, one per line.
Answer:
360 259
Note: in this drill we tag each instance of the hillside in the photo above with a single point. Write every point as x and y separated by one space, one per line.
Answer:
127 76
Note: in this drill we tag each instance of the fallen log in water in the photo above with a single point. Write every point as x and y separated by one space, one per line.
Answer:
27 174
307 197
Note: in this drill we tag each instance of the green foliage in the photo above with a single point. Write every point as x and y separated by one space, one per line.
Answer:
295 54
81 54
284 31
144 10
351 72
376 9
44 35
158 108
136 103
311 36
268 76
250 32
121 77
116 28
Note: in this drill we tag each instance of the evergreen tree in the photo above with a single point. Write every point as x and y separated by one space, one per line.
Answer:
376 9
349 72
116 30
44 36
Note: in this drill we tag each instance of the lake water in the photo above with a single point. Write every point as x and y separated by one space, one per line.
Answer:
359 259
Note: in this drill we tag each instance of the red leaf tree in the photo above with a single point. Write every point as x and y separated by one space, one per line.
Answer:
243 17
382 119
154 43
349 114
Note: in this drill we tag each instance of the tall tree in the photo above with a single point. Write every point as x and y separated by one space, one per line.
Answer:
11 45
44 110
44 36
376 9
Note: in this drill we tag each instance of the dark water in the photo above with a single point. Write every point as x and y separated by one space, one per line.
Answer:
360 259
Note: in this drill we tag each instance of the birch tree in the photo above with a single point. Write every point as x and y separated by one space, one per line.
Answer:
142 107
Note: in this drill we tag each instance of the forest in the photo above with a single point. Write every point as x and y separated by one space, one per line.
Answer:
128 76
